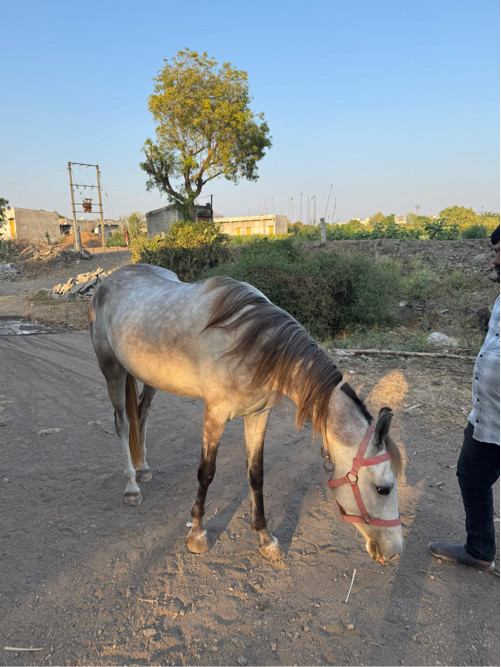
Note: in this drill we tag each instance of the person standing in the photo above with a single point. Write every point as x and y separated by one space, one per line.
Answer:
478 463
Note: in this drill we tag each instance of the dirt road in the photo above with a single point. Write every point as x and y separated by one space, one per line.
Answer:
89 580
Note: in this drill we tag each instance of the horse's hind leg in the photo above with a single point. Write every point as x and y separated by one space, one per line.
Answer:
116 379
212 431
255 429
143 470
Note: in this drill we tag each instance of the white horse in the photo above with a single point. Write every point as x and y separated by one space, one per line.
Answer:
225 342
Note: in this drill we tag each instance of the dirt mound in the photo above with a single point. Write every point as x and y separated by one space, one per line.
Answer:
87 238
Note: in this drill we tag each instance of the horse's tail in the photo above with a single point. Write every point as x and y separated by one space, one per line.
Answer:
131 406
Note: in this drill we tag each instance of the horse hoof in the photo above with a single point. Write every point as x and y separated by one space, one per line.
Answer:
197 544
133 499
143 476
272 552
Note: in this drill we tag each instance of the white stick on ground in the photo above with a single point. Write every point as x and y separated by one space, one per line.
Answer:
351 585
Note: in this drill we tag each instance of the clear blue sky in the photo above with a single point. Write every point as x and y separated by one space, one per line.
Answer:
393 103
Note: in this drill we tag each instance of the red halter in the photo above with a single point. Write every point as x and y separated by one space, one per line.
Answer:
352 479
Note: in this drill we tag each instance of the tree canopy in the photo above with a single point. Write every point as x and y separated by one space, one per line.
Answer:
204 128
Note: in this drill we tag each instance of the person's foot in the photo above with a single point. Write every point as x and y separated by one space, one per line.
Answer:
456 553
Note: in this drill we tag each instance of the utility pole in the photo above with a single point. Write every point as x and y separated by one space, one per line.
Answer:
86 204
76 238
326 208
103 243
418 206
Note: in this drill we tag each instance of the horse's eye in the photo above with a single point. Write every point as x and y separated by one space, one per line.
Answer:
383 490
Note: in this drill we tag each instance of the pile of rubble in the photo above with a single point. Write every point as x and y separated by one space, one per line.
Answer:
55 254
9 271
81 287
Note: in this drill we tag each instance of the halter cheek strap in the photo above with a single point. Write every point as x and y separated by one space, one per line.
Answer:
351 478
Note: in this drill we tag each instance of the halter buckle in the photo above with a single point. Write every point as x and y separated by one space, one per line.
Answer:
328 465
354 475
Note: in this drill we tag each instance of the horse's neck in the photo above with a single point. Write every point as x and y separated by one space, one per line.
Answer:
346 424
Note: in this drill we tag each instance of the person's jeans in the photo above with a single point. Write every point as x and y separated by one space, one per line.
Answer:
477 471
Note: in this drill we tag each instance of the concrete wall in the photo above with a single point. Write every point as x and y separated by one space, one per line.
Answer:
30 225
158 222
254 224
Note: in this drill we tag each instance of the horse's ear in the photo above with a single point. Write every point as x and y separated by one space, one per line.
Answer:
382 426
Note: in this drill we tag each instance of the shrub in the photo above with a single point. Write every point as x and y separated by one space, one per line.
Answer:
117 239
326 293
186 234
187 263
474 232
441 230
419 283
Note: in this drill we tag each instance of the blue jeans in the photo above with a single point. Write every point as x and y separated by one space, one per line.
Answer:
477 471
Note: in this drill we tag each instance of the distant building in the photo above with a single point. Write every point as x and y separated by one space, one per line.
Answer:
29 225
254 224
159 221
110 226
401 219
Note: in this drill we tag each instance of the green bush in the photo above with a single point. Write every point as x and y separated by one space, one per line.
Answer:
187 263
474 232
186 234
117 239
142 248
327 293
419 283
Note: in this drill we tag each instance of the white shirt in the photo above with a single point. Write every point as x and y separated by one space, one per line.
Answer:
485 389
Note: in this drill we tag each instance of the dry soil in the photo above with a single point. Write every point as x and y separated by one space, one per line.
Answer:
88 580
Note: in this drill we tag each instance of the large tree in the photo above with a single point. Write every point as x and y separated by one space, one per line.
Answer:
204 128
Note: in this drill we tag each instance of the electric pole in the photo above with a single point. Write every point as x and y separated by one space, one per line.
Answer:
103 243
86 204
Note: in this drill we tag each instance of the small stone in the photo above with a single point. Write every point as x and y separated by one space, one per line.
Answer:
351 627
438 338
273 646
242 660
149 632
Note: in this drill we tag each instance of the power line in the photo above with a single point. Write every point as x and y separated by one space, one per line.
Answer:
32 178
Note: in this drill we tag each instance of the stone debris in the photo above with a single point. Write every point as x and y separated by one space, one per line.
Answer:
55 254
9 271
437 338
80 287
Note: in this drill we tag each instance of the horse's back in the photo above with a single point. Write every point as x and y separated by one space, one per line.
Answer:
154 324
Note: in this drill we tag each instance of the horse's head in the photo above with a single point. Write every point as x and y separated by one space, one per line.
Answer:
364 480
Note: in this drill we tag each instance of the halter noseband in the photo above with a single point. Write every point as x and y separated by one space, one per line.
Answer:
351 478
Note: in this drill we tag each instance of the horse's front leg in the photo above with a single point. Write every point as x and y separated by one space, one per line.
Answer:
255 429
143 472
212 431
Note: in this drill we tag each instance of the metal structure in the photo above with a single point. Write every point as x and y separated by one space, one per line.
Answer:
86 204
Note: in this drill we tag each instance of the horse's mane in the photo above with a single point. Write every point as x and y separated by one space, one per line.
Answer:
278 348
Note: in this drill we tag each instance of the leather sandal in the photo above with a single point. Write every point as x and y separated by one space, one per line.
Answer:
456 553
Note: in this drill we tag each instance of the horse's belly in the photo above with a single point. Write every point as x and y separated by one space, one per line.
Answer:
171 375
